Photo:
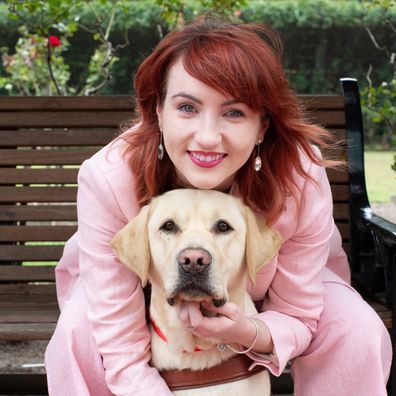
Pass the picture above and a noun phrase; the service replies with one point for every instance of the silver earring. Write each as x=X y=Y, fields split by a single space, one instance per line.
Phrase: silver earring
x=257 y=160
x=160 y=148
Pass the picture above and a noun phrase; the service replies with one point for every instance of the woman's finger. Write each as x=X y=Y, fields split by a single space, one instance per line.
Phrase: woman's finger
x=229 y=309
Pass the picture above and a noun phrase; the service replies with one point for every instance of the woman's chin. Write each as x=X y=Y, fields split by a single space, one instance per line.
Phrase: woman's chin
x=210 y=185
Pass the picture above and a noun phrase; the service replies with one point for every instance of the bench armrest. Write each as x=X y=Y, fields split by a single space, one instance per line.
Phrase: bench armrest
x=372 y=239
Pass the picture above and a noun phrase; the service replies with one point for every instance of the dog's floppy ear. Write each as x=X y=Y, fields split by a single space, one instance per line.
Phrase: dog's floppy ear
x=262 y=243
x=131 y=245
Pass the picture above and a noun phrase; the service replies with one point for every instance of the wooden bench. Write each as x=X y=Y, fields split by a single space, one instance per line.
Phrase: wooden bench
x=43 y=140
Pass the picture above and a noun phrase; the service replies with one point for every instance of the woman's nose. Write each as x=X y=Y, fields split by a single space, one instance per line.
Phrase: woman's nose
x=208 y=133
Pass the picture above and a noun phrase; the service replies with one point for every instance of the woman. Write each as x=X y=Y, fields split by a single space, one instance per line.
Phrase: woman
x=216 y=112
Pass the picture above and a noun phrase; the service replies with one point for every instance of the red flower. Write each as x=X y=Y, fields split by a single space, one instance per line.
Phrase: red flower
x=54 y=41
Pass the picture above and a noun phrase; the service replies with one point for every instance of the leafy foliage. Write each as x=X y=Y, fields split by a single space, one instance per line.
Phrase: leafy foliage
x=379 y=97
x=28 y=67
x=41 y=19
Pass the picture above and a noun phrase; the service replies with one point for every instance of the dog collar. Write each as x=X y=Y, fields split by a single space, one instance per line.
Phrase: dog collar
x=161 y=335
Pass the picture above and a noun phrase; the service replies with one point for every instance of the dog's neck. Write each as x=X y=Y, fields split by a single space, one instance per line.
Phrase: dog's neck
x=167 y=326
x=180 y=350
x=163 y=337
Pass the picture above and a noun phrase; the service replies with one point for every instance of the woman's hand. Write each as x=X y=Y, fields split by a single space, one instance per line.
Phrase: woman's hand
x=229 y=325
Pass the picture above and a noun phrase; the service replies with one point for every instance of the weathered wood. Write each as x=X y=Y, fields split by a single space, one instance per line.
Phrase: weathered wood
x=337 y=176
x=340 y=192
x=344 y=230
x=29 y=315
x=35 y=301
x=31 y=290
x=42 y=212
x=30 y=253
x=45 y=157
x=38 y=194
x=63 y=137
x=67 y=103
x=18 y=273
x=329 y=119
x=28 y=175
x=29 y=330
x=36 y=233
x=322 y=102
x=60 y=119
x=341 y=212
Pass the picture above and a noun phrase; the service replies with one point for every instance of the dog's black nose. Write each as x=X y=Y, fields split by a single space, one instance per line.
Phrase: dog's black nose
x=194 y=261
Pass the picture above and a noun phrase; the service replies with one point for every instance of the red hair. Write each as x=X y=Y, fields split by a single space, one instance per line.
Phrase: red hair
x=242 y=61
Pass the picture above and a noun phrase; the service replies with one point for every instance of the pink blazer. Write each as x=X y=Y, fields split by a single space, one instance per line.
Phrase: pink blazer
x=291 y=282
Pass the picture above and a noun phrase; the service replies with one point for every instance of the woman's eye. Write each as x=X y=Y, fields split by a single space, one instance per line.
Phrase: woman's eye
x=169 y=226
x=223 y=226
x=187 y=108
x=235 y=113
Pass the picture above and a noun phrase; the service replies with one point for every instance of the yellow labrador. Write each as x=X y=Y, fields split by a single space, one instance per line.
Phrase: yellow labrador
x=196 y=245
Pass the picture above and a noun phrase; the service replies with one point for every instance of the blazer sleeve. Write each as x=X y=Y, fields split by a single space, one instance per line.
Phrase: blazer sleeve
x=294 y=301
x=116 y=307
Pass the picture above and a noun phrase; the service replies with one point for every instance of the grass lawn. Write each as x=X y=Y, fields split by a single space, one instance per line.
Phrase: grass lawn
x=380 y=178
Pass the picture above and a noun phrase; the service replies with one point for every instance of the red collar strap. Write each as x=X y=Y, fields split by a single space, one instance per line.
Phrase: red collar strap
x=161 y=335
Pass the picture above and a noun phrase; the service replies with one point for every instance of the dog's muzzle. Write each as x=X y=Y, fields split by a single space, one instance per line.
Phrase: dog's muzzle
x=194 y=266
x=194 y=260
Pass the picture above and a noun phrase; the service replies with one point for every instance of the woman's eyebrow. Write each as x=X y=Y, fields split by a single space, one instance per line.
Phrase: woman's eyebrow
x=194 y=99
x=187 y=96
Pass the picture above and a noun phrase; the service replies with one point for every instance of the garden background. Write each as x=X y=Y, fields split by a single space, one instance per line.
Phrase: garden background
x=74 y=47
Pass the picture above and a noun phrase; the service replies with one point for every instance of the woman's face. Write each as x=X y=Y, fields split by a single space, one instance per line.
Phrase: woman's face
x=208 y=136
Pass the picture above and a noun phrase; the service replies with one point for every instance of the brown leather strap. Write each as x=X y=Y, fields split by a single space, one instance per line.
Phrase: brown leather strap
x=230 y=370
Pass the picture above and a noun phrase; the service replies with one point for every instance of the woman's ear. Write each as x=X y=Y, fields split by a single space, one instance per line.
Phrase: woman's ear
x=158 y=110
x=264 y=126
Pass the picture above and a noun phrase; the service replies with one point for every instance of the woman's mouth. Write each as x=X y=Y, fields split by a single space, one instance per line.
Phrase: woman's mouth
x=206 y=160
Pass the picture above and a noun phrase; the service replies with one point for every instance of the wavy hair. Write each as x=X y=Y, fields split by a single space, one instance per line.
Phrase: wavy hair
x=243 y=61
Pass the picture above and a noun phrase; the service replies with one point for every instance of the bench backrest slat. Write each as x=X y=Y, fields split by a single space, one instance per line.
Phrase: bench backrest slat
x=56 y=137
x=38 y=213
x=57 y=119
x=31 y=253
x=26 y=273
x=45 y=157
x=38 y=176
x=67 y=103
x=38 y=194
x=32 y=233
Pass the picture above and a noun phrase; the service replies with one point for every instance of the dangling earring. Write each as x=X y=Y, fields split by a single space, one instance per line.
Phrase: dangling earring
x=160 y=148
x=257 y=160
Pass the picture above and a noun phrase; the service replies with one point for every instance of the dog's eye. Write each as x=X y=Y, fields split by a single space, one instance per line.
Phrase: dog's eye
x=222 y=226
x=169 y=226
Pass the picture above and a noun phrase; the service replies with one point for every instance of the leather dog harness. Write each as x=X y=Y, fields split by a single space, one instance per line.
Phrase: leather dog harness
x=234 y=369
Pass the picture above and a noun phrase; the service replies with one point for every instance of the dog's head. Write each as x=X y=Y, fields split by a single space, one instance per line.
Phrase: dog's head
x=196 y=244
